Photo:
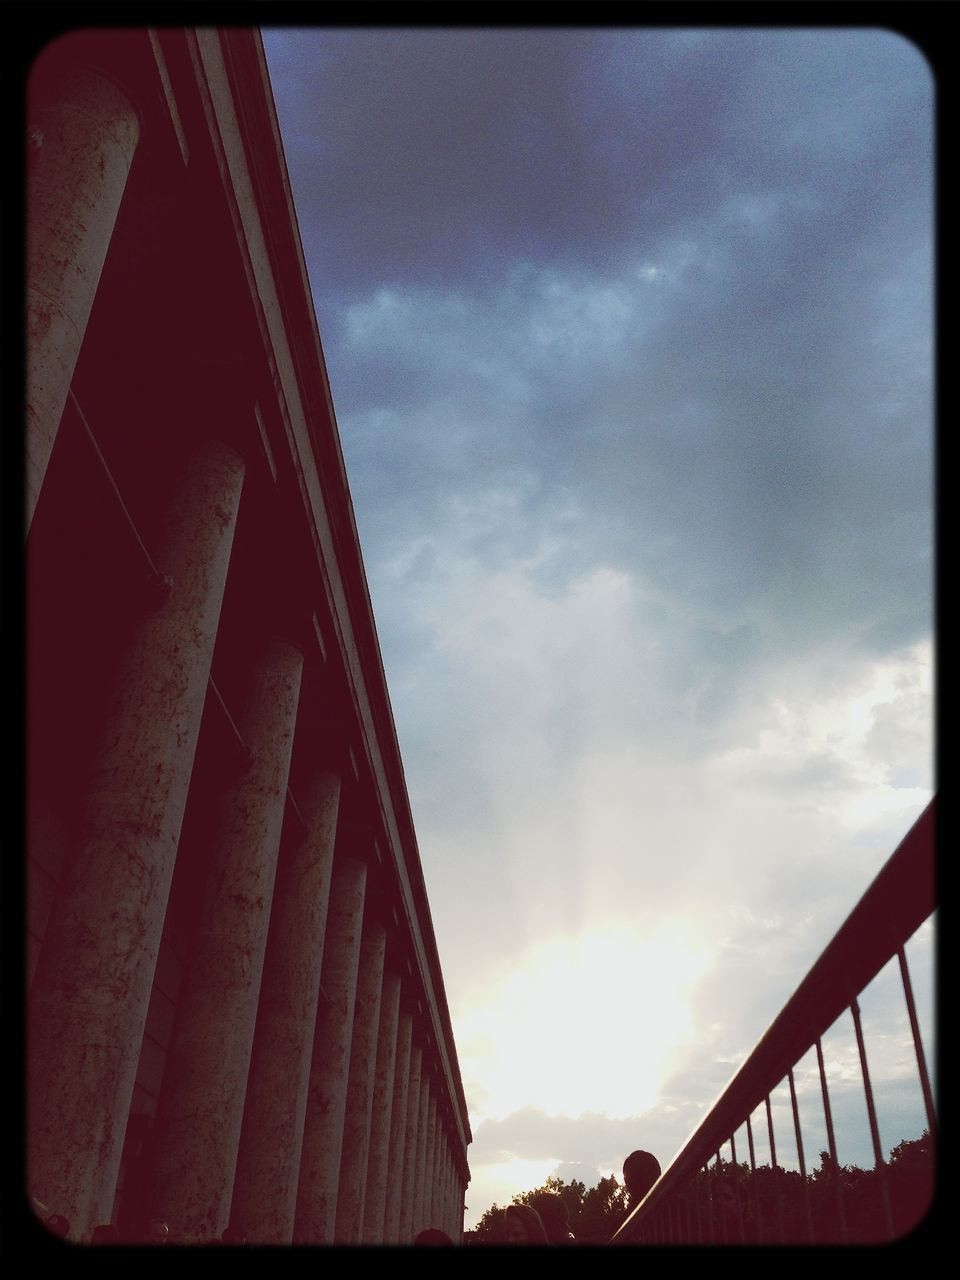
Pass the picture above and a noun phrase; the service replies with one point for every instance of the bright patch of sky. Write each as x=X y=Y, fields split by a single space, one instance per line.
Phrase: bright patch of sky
x=629 y=335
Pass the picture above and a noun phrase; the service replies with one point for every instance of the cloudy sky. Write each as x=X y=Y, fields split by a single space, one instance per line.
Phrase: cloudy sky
x=629 y=336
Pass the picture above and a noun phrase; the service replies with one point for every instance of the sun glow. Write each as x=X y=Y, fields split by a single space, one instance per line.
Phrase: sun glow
x=581 y=1024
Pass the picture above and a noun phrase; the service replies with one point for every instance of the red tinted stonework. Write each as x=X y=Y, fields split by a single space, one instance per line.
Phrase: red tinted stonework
x=236 y=1017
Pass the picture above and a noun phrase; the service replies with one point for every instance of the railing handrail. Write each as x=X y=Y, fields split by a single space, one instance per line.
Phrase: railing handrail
x=894 y=906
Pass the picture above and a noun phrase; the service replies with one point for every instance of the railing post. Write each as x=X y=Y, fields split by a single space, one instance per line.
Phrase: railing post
x=753 y=1182
x=774 y=1170
x=736 y=1185
x=831 y=1143
x=708 y=1191
x=803 y=1169
x=917 y=1042
x=880 y=1166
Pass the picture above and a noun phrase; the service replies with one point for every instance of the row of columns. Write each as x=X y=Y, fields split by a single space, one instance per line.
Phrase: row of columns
x=297 y=1102
x=277 y=1107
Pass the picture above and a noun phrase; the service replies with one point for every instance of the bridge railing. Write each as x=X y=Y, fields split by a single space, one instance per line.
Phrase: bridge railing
x=707 y=1196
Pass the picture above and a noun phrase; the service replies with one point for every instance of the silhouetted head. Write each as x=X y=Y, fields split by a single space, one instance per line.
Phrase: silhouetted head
x=523 y=1225
x=640 y=1172
x=432 y=1235
x=159 y=1232
x=58 y=1225
x=553 y=1215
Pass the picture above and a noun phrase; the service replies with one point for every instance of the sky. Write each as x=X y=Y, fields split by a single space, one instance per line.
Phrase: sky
x=629 y=336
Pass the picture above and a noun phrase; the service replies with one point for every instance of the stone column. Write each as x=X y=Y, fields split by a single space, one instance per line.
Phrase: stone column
x=410 y=1146
x=418 y=1223
x=201 y=1106
x=374 y=1204
x=268 y=1164
x=430 y=1206
x=452 y=1197
x=429 y=1161
x=398 y=1130
x=445 y=1179
x=82 y=133
x=330 y=1062
x=456 y=1199
x=363 y=1060
x=92 y=987
x=443 y=1189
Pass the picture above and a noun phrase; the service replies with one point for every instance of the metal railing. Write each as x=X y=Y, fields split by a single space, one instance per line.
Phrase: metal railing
x=707 y=1197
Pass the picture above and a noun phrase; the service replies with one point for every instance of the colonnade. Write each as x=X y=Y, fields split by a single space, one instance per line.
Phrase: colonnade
x=309 y=1090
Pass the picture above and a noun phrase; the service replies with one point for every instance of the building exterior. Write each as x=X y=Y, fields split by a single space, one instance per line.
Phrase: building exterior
x=236 y=1015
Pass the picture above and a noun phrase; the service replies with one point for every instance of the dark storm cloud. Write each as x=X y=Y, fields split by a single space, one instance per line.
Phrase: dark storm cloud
x=445 y=156
x=458 y=152
x=752 y=419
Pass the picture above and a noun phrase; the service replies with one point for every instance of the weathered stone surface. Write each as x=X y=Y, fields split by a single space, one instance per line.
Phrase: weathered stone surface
x=411 y=1144
x=330 y=1062
x=201 y=1108
x=363 y=1056
x=268 y=1164
x=398 y=1130
x=418 y=1221
x=89 y=998
x=429 y=1160
x=381 y=1109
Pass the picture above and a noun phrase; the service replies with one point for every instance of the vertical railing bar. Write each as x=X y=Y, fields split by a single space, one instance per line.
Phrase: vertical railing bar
x=831 y=1143
x=718 y=1172
x=917 y=1042
x=872 y=1117
x=800 y=1160
x=796 y=1121
x=753 y=1182
x=698 y=1192
x=736 y=1185
x=688 y=1216
x=709 y=1195
x=775 y=1171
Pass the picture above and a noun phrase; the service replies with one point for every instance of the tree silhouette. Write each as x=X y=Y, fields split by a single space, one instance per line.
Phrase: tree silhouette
x=731 y=1204
x=593 y=1214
